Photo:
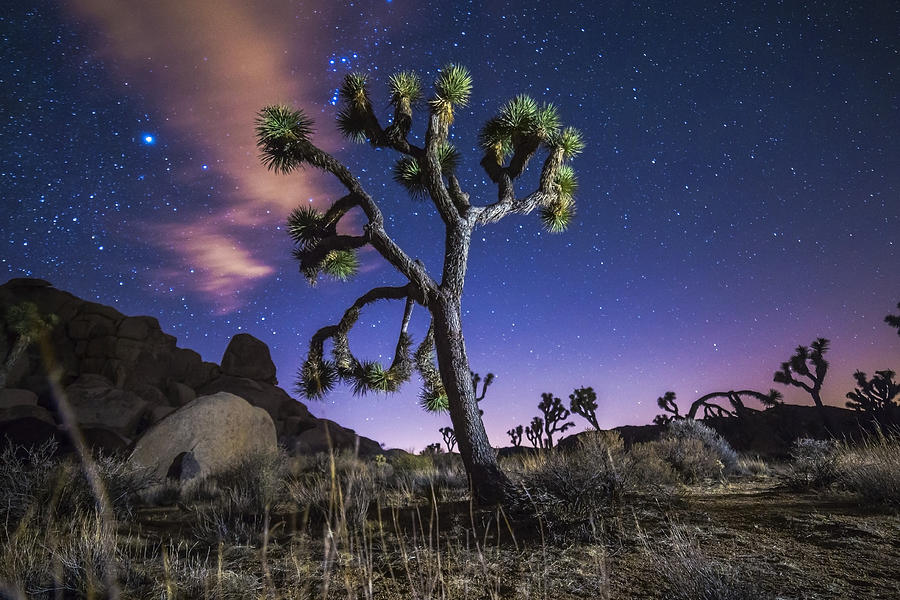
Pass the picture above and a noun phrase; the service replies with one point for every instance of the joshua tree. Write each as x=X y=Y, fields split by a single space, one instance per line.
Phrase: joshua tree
x=515 y=435
x=583 y=401
x=476 y=379
x=509 y=141
x=432 y=449
x=535 y=432
x=25 y=320
x=809 y=363
x=875 y=396
x=449 y=437
x=894 y=320
x=668 y=403
x=554 y=415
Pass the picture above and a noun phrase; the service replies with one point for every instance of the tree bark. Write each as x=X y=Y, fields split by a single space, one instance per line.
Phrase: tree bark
x=489 y=484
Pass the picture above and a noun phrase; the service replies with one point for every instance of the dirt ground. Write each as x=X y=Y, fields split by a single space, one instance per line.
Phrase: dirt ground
x=797 y=545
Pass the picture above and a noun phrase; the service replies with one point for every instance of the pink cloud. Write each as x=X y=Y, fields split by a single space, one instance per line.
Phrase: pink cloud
x=207 y=67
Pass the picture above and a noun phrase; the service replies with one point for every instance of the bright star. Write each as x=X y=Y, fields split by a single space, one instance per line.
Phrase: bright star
x=148 y=139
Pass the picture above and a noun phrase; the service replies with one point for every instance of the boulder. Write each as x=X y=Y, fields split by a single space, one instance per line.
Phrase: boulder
x=328 y=435
x=218 y=430
x=27 y=425
x=272 y=399
x=178 y=393
x=14 y=397
x=248 y=357
x=97 y=403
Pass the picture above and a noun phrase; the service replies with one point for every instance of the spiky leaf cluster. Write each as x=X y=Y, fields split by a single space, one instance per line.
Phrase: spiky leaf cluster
x=282 y=135
x=409 y=173
x=406 y=89
x=353 y=117
x=306 y=226
x=433 y=397
x=452 y=88
x=570 y=141
x=316 y=378
x=558 y=214
x=519 y=120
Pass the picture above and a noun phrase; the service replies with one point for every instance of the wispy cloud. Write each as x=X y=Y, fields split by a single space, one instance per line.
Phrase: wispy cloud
x=207 y=67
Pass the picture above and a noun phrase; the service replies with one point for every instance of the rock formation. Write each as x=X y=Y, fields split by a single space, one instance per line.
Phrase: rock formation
x=123 y=374
x=208 y=435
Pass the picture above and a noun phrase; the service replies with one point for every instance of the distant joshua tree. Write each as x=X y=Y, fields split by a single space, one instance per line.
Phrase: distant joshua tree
x=806 y=369
x=738 y=409
x=554 y=415
x=432 y=449
x=25 y=320
x=535 y=432
x=449 y=437
x=427 y=168
x=876 y=396
x=583 y=401
x=894 y=320
x=486 y=383
x=515 y=435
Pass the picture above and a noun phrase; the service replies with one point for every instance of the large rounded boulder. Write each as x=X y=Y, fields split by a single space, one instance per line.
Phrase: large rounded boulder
x=206 y=436
x=248 y=357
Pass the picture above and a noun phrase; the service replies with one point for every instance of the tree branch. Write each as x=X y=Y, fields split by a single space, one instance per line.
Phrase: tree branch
x=507 y=203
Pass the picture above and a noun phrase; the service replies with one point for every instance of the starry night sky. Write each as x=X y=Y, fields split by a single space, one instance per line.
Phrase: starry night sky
x=739 y=194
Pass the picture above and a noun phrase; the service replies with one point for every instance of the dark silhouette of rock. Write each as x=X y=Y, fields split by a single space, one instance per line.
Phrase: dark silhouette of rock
x=329 y=435
x=96 y=403
x=218 y=430
x=248 y=357
x=124 y=374
x=27 y=425
x=17 y=397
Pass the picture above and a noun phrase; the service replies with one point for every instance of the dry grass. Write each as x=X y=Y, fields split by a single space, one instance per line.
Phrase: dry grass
x=872 y=469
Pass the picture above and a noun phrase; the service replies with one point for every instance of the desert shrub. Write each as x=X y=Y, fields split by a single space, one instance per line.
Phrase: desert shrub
x=872 y=469
x=235 y=503
x=813 y=464
x=338 y=489
x=33 y=481
x=753 y=465
x=690 y=459
x=645 y=469
x=574 y=488
x=412 y=462
x=689 y=574
x=690 y=429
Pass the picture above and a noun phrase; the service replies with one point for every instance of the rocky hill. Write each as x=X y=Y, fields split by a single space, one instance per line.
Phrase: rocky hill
x=122 y=374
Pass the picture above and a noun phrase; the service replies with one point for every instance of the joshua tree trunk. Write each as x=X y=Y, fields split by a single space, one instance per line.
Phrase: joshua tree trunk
x=488 y=481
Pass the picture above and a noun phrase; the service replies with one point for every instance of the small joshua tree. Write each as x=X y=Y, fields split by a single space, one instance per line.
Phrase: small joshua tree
x=875 y=396
x=25 y=320
x=806 y=369
x=509 y=141
x=486 y=383
x=515 y=435
x=535 y=432
x=667 y=403
x=449 y=437
x=583 y=401
x=432 y=449
x=894 y=320
x=554 y=416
